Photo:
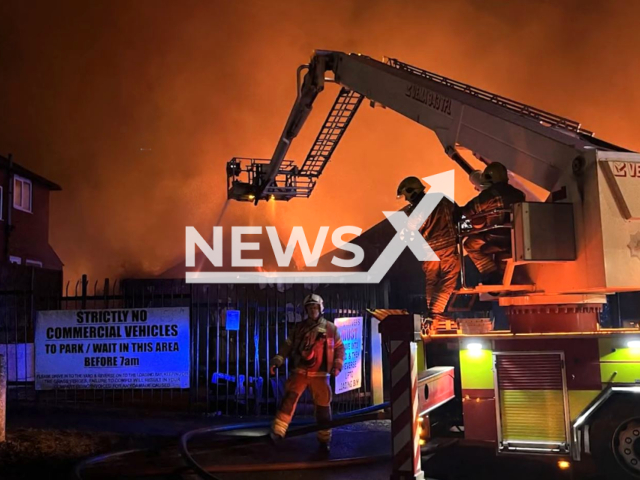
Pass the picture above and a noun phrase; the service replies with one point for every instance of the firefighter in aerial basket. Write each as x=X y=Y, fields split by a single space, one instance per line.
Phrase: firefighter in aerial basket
x=496 y=193
x=439 y=230
x=317 y=352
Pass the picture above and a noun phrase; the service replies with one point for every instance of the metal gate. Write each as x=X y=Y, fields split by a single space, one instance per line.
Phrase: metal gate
x=23 y=291
x=229 y=367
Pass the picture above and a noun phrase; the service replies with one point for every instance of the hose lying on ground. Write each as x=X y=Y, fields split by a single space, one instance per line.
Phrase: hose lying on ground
x=362 y=415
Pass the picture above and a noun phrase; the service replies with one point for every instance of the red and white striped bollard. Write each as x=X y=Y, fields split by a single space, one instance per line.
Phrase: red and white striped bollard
x=405 y=423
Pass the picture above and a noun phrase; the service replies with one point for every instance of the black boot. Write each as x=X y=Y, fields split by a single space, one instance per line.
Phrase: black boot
x=275 y=438
x=324 y=448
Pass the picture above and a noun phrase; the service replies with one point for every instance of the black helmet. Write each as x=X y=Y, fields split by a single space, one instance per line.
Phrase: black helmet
x=411 y=188
x=494 y=173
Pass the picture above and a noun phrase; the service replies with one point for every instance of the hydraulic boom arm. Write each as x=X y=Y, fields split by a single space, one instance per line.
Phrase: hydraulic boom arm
x=536 y=145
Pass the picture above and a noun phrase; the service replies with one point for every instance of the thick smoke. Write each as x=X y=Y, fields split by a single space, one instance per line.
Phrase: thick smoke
x=134 y=107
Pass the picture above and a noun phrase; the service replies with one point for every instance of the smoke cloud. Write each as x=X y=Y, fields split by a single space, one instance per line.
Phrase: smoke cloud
x=135 y=107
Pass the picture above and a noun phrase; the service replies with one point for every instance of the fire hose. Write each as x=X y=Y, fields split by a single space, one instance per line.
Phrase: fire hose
x=363 y=415
x=204 y=471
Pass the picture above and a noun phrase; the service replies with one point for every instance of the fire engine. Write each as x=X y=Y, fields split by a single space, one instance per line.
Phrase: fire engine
x=556 y=384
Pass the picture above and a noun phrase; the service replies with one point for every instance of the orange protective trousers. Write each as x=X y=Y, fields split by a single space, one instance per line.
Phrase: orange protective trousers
x=293 y=390
x=441 y=278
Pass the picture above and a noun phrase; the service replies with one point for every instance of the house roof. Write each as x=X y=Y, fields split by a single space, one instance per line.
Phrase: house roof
x=25 y=172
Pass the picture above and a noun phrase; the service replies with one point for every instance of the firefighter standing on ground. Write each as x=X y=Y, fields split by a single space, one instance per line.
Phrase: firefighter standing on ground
x=497 y=194
x=440 y=233
x=317 y=352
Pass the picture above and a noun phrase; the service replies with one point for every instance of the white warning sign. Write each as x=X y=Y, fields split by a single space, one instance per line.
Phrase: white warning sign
x=118 y=348
x=350 y=377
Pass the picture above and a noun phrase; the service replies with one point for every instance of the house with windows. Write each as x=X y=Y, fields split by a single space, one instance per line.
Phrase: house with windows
x=24 y=217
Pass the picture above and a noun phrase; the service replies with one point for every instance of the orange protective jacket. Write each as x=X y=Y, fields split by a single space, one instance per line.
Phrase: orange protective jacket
x=299 y=335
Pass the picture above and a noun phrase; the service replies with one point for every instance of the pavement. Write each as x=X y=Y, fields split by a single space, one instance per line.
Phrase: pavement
x=369 y=441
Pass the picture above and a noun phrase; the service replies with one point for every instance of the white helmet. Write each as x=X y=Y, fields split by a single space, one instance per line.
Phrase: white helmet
x=314 y=299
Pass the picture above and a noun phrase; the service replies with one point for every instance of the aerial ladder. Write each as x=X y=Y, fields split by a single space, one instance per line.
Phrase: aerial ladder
x=556 y=383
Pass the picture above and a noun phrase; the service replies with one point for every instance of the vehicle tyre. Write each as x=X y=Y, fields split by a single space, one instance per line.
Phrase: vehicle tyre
x=615 y=438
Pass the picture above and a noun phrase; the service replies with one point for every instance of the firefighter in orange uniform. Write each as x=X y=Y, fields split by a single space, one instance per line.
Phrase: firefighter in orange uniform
x=317 y=352
x=496 y=194
x=440 y=233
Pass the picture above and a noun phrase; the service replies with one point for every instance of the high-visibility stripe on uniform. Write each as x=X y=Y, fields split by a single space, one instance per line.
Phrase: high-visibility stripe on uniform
x=324 y=436
x=279 y=427
x=317 y=374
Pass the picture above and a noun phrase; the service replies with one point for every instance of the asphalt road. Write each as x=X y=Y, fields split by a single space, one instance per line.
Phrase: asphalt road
x=372 y=440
